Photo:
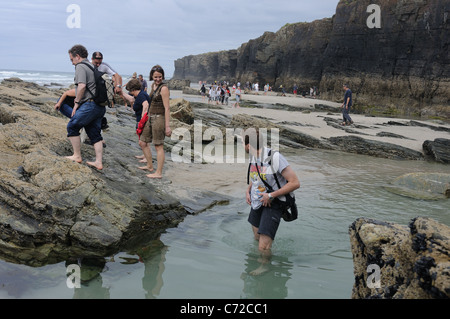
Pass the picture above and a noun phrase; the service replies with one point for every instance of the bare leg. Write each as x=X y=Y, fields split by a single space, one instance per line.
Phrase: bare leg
x=264 y=246
x=76 y=145
x=160 y=157
x=147 y=155
x=98 y=164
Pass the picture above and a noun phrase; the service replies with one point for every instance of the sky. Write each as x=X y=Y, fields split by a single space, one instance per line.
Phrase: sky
x=135 y=35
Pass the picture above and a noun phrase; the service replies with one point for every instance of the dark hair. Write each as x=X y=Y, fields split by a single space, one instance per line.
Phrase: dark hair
x=133 y=85
x=252 y=137
x=95 y=54
x=79 y=50
x=156 y=68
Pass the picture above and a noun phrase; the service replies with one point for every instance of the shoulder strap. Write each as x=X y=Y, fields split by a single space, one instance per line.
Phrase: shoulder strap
x=88 y=65
x=270 y=163
x=93 y=70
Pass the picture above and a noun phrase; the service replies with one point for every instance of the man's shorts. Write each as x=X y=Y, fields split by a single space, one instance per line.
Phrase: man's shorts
x=154 y=130
x=266 y=219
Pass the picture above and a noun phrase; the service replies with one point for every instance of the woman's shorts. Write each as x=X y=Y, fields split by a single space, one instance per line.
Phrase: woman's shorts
x=154 y=130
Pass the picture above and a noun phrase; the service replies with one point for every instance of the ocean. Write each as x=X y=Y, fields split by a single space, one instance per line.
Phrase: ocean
x=47 y=78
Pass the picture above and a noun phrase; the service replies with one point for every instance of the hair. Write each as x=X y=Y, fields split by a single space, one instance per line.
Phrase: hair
x=94 y=55
x=252 y=137
x=79 y=50
x=156 y=68
x=133 y=85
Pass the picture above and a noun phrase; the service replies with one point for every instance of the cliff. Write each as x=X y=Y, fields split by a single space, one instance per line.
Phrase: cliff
x=404 y=64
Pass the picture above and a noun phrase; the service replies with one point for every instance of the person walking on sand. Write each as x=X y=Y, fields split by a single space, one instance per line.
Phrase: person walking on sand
x=86 y=113
x=348 y=102
x=265 y=212
x=158 y=125
x=238 y=97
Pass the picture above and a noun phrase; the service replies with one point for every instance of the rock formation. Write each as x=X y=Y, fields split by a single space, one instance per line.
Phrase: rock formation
x=52 y=208
x=403 y=65
x=392 y=261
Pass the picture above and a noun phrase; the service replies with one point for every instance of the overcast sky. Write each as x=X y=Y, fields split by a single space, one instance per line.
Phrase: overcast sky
x=134 y=35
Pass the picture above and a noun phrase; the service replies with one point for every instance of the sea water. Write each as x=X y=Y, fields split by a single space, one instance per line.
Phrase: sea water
x=214 y=255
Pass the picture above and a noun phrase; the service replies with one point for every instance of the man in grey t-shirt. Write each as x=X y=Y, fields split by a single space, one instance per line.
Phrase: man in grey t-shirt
x=265 y=213
x=86 y=113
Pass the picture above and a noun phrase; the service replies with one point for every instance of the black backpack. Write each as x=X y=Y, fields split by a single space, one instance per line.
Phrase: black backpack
x=103 y=96
x=289 y=210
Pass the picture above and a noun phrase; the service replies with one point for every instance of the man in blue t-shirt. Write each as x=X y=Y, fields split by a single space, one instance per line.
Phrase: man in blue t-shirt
x=348 y=102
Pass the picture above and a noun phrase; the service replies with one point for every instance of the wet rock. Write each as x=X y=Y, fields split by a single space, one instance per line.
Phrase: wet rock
x=438 y=150
x=413 y=261
x=52 y=209
x=358 y=145
x=427 y=186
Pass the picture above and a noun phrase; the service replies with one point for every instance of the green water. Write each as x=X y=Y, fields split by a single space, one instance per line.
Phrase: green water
x=212 y=255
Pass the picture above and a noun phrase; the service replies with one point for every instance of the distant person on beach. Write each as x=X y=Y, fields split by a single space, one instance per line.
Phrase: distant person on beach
x=238 y=97
x=158 y=125
x=265 y=211
x=143 y=82
x=203 y=92
x=295 y=89
x=348 y=102
x=86 y=113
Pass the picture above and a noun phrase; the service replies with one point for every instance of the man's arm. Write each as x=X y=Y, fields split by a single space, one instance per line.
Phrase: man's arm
x=80 y=93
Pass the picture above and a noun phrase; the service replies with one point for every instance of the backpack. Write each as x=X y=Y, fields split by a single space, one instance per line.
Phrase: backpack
x=104 y=92
x=289 y=211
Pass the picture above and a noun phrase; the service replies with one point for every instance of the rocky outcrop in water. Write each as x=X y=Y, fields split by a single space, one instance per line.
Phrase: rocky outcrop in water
x=403 y=65
x=424 y=186
x=52 y=208
x=392 y=261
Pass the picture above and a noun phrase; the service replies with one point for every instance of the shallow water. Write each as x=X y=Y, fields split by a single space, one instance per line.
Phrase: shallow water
x=212 y=255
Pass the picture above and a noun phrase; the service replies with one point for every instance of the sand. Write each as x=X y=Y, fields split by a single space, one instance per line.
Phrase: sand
x=230 y=179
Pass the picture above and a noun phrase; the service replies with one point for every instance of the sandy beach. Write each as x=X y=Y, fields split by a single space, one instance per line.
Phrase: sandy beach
x=211 y=176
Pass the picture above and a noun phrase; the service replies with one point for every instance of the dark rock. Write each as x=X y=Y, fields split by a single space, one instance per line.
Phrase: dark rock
x=438 y=150
x=356 y=144
x=52 y=209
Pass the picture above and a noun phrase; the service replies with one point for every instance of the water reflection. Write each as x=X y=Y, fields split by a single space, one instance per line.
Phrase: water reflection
x=153 y=257
x=266 y=280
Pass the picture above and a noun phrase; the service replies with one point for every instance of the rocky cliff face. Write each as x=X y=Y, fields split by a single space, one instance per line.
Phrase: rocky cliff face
x=403 y=64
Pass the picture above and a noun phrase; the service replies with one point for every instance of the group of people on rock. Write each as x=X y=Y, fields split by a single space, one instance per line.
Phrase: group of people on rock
x=79 y=106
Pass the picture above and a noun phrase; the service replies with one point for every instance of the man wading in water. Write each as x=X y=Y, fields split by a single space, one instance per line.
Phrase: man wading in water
x=265 y=212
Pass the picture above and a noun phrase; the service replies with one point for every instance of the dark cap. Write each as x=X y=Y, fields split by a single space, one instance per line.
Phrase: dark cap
x=97 y=55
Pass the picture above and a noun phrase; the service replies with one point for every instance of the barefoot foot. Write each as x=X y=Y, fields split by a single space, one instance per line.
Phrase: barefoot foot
x=96 y=165
x=75 y=159
x=146 y=168
x=154 y=175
